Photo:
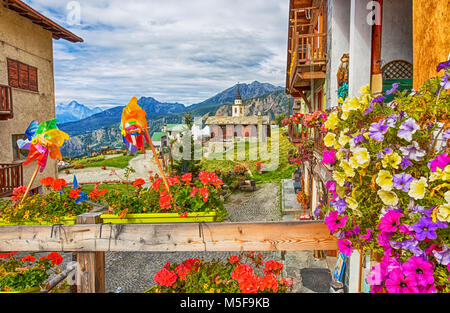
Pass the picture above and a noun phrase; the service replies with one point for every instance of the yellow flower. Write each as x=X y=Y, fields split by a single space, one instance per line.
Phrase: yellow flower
x=365 y=90
x=332 y=121
x=205 y=286
x=388 y=197
x=341 y=191
x=339 y=178
x=352 y=203
x=329 y=140
x=362 y=156
x=443 y=214
x=340 y=100
x=339 y=155
x=354 y=162
x=440 y=174
x=343 y=139
x=447 y=196
x=349 y=172
x=417 y=189
x=26 y=215
x=391 y=159
x=384 y=180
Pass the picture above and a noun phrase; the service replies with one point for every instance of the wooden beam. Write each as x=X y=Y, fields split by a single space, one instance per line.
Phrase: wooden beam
x=267 y=236
x=92 y=264
x=313 y=75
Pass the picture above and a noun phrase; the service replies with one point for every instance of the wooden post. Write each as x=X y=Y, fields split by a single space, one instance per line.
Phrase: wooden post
x=92 y=264
x=155 y=155
x=31 y=183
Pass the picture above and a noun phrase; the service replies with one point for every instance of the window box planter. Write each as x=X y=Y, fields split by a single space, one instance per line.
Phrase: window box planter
x=195 y=217
x=64 y=221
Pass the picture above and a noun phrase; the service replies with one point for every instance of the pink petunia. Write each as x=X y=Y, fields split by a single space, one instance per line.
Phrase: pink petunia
x=419 y=268
x=329 y=157
x=399 y=283
x=334 y=222
x=441 y=161
x=345 y=247
x=390 y=222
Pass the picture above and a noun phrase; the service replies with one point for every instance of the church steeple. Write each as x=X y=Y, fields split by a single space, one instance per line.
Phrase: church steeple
x=238 y=107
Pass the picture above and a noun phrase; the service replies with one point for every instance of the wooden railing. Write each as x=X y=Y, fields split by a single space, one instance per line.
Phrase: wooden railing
x=319 y=145
x=6 y=102
x=11 y=176
x=309 y=50
x=294 y=133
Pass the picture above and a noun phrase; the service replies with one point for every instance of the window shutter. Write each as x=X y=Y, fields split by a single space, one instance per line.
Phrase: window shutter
x=13 y=73
x=23 y=76
x=33 y=78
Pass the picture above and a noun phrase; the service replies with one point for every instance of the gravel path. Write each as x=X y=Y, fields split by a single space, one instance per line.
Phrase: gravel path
x=142 y=164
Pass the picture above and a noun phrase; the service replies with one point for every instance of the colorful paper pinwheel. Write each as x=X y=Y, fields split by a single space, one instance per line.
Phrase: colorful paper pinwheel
x=134 y=127
x=43 y=140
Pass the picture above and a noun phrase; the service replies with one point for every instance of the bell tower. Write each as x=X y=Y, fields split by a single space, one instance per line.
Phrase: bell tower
x=238 y=107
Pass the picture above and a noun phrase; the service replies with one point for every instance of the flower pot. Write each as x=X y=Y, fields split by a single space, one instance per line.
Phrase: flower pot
x=195 y=217
x=64 y=221
x=30 y=290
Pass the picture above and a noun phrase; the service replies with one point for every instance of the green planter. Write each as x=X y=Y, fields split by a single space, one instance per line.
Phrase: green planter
x=31 y=290
x=64 y=221
x=144 y=218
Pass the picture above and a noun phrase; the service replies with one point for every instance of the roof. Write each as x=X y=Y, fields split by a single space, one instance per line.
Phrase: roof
x=28 y=12
x=158 y=135
x=176 y=127
x=238 y=94
x=237 y=120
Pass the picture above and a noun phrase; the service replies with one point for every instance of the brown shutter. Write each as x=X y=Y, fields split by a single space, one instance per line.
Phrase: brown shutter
x=23 y=76
x=33 y=78
x=13 y=73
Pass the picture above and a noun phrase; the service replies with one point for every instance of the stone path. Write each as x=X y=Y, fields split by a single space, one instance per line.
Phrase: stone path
x=142 y=164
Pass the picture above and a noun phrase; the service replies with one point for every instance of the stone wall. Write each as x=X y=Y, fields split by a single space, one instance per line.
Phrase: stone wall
x=24 y=41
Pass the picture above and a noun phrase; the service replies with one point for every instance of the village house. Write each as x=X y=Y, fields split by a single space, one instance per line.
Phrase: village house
x=346 y=44
x=26 y=85
x=238 y=126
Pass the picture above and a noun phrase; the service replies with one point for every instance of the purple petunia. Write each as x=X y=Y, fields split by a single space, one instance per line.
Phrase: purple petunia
x=392 y=120
x=340 y=206
x=405 y=163
x=445 y=83
x=425 y=228
x=377 y=130
x=413 y=152
x=402 y=181
x=446 y=135
x=444 y=65
x=443 y=257
x=393 y=90
x=407 y=129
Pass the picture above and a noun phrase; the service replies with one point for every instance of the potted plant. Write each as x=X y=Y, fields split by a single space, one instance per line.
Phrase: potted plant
x=390 y=196
x=188 y=200
x=59 y=206
x=233 y=276
x=26 y=274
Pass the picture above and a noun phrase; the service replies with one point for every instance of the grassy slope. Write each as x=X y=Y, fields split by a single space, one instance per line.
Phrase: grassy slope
x=283 y=171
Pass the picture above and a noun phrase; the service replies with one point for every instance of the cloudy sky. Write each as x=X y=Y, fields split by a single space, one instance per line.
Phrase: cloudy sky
x=172 y=50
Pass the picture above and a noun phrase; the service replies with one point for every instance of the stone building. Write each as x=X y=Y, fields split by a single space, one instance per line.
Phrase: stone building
x=26 y=85
x=238 y=126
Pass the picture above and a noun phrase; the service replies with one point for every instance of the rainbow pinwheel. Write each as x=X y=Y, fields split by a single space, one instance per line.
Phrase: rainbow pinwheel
x=134 y=127
x=43 y=140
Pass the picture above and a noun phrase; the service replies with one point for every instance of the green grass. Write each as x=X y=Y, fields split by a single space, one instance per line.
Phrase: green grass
x=111 y=187
x=117 y=162
x=283 y=171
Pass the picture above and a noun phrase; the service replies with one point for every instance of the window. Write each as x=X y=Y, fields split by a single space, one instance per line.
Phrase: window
x=18 y=154
x=22 y=76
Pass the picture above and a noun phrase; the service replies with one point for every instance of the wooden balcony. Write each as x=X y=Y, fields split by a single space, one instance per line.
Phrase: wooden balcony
x=308 y=61
x=6 y=102
x=11 y=176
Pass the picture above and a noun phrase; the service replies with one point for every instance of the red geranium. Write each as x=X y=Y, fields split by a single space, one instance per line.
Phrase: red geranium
x=164 y=201
x=187 y=178
x=18 y=193
x=55 y=257
x=28 y=258
x=7 y=255
x=189 y=263
x=95 y=193
x=269 y=283
x=47 y=181
x=182 y=271
x=139 y=183
x=273 y=267
x=173 y=181
x=249 y=283
x=165 y=278
x=157 y=184
x=74 y=193
x=59 y=184
x=234 y=259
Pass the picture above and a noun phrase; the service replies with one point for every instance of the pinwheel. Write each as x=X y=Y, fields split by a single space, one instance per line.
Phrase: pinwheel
x=134 y=127
x=134 y=131
x=42 y=140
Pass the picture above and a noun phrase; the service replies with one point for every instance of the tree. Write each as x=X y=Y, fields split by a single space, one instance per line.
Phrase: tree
x=279 y=118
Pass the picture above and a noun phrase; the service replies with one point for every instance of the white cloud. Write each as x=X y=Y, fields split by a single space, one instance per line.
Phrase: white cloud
x=172 y=50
